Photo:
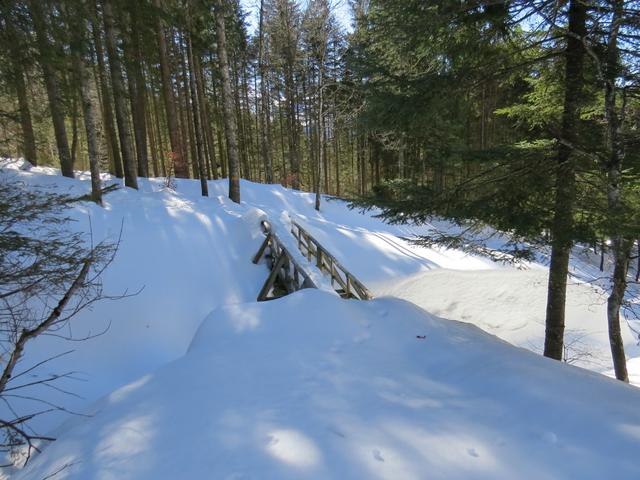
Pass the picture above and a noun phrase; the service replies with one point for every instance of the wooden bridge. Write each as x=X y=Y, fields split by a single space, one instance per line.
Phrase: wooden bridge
x=287 y=275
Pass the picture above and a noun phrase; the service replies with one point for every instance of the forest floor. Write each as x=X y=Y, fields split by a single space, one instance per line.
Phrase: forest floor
x=312 y=386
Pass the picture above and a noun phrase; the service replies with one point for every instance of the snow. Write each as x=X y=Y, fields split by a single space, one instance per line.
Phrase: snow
x=510 y=304
x=310 y=385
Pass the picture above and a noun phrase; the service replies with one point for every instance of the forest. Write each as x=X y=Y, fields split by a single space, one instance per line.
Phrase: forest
x=516 y=118
x=522 y=115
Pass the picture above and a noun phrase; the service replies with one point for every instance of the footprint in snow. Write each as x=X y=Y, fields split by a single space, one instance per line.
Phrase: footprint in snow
x=377 y=455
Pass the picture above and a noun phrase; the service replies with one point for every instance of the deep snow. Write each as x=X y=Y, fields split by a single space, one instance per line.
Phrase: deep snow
x=312 y=386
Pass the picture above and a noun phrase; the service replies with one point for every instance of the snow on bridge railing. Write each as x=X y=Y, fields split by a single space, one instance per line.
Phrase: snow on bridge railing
x=348 y=286
x=287 y=275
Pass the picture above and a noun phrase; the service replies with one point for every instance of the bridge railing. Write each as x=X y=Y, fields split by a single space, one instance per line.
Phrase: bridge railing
x=347 y=284
x=285 y=272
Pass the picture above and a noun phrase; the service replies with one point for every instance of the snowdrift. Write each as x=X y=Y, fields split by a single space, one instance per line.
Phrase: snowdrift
x=311 y=386
x=181 y=255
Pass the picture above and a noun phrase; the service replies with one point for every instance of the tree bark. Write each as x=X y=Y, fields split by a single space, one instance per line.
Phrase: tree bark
x=230 y=126
x=294 y=158
x=562 y=225
x=245 y=171
x=28 y=137
x=120 y=95
x=89 y=115
x=74 y=129
x=53 y=90
x=621 y=243
x=109 y=127
x=180 y=168
x=136 y=83
x=622 y=252
x=185 y=111
x=205 y=116
x=161 y=149
x=195 y=110
x=321 y=137
x=218 y=126
x=265 y=141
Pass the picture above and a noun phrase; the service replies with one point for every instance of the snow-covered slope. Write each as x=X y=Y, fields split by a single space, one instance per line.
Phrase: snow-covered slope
x=511 y=303
x=312 y=386
x=185 y=255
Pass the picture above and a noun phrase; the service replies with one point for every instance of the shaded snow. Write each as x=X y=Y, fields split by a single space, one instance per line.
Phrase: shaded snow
x=312 y=386
x=511 y=304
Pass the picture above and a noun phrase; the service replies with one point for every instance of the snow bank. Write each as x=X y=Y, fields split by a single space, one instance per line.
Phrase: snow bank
x=511 y=304
x=184 y=254
x=312 y=386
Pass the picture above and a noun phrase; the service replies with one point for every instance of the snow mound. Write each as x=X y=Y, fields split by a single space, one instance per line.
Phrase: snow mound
x=181 y=256
x=511 y=303
x=312 y=386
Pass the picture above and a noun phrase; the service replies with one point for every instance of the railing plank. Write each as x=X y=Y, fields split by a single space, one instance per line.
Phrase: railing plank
x=351 y=285
x=289 y=273
x=282 y=264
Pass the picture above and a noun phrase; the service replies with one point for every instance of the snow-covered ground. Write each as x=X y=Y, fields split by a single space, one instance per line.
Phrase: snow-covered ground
x=312 y=386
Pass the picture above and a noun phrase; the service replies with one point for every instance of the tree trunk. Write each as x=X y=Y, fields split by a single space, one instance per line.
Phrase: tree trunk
x=622 y=252
x=159 y=137
x=180 y=168
x=28 y=138
x=638 y=260
x=187 y=123
x=109 y=128
x=562 y=225
x=230 y=127
x=321 y=137
x=265 y=128
x=89 y=115
x=74 y=129
x=136 y=83
x=336 y=153
x=53 y=90
x=195 y=110
x=248 y=125
x=205 y=116
x=284 y=179
x=621 y=244
x=265 y=141
x=17 y=51
x=294 y=158
x=152 y=140
x=218 y=125
x=242 y=140
x=120 y=96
